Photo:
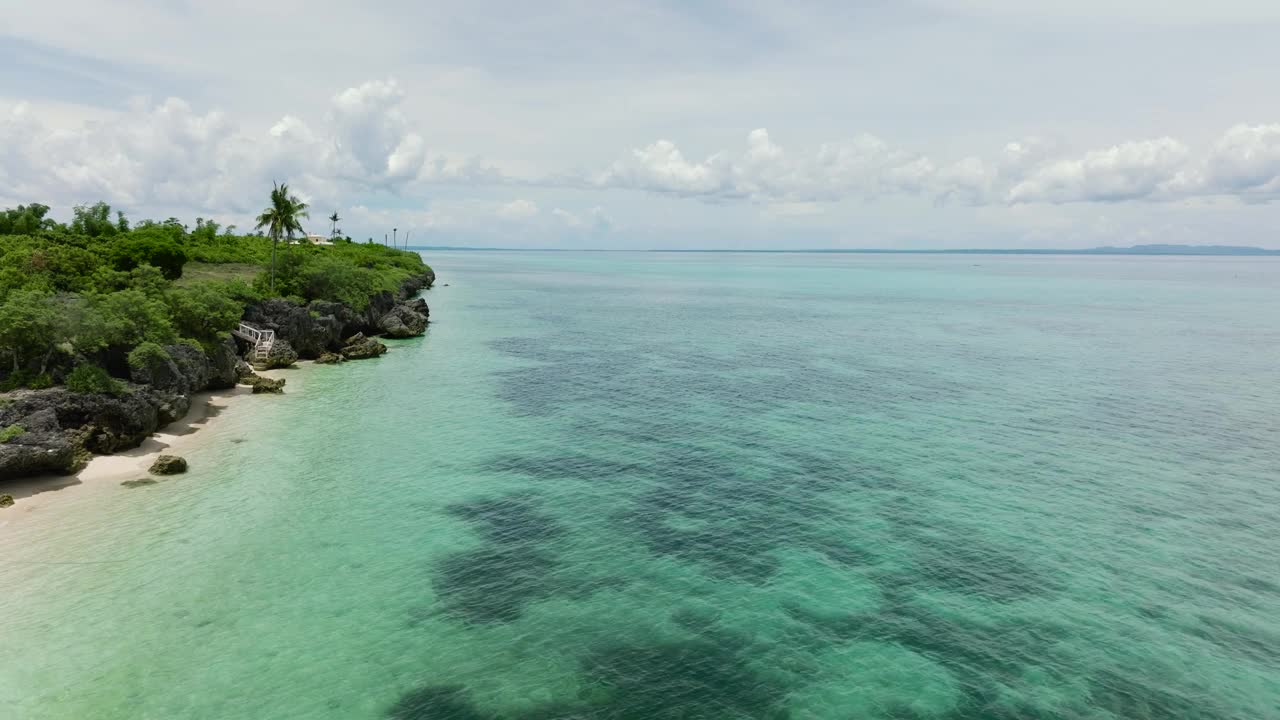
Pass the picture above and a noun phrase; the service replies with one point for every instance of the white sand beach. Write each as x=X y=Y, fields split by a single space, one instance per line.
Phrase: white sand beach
x=38 y=497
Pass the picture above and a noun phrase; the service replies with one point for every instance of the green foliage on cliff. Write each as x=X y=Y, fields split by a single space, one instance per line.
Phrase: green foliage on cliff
x=346 y=272
x=146 y=355
x=80 y=293
x=88 y=378
x=11 y=432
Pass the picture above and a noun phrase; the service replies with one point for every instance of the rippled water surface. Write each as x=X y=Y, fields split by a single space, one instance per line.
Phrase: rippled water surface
x=709 y=486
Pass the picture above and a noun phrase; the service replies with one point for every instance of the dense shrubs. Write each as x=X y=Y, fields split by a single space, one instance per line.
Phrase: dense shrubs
x=76 y=294
x=93 y=379
x=147 y=355
x=154 y=245
x=345 y=272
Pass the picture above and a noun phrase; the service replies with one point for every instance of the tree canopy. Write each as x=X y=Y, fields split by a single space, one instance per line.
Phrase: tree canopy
x=281 y=219
x=95 y=288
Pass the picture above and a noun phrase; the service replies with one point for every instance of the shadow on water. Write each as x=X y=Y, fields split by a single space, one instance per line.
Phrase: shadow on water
x=732 y=510
x=515 y=566
x=708 y=677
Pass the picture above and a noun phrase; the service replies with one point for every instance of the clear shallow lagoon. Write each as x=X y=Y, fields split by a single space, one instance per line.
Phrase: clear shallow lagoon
x=623 y=485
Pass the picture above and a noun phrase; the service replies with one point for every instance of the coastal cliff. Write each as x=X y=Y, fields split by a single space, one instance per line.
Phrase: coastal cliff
x=55 y=430
x=320 y=327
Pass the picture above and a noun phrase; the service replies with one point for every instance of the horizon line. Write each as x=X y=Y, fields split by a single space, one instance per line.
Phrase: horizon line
x=1156 y=250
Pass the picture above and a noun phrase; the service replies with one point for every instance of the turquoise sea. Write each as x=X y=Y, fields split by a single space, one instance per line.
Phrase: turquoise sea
x=644 y=485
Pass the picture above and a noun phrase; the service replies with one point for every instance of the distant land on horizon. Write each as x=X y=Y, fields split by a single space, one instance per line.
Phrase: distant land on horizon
x=1105 y=250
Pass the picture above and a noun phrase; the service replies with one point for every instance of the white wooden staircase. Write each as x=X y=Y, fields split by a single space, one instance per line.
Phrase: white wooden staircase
x=262 y=340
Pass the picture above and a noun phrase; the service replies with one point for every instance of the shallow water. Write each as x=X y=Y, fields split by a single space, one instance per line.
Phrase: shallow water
x=628 y=485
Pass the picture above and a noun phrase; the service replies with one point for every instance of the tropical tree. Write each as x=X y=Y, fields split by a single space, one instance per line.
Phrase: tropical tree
x=334 y=219
x=93 y=220
x=282 y=218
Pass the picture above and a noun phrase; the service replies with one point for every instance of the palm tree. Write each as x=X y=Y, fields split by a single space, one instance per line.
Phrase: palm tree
x=281 y=219
x=334 y=219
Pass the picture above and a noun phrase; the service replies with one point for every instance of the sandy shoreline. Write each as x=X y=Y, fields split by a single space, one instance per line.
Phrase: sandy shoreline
x=41 y=496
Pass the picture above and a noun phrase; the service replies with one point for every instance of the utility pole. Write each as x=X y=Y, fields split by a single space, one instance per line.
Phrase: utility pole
x=394 y=243
x=384 y=240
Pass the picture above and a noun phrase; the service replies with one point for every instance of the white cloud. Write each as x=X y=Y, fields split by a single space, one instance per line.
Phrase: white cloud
x=661 y=167
x=518 y=209
x=1129 y=171
x=163 y=154
x=1146 y=12
x=364 y=148
x=372 y=141
x=765 y=171
x=595 y=220
x=1244 y=163
x=171 y=157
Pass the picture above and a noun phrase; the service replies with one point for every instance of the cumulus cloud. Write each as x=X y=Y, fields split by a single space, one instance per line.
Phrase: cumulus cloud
x=1131 y=171
x=164 y=153
x=595 y=220
x=169 y=155
x=1244 y=163
x=518 y=209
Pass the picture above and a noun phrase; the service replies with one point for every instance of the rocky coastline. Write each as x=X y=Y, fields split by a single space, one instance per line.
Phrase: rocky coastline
x=55 y=430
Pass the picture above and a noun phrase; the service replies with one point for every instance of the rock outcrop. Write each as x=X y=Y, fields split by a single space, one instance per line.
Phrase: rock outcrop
x=224 y=365
x=405 y=319
x=64 y=427
x=328 y=358
x=282 y=355
x=264 y=385
x=43 y=448
x=320 y=327
x=60 y=428
x=308 y=330
x=181 y=369
x=359 y=347
x=169 y=465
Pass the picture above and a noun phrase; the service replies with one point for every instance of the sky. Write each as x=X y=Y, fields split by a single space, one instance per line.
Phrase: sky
x=659 y=124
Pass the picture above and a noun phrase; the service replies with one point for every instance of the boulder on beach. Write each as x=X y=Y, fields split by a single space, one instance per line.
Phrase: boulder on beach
x=328 y=358
x=264 y=384
x=57 y=426
x=169 y=465
x=6 y=501
x=281 y=355
x=359 y=347
x=405 y=319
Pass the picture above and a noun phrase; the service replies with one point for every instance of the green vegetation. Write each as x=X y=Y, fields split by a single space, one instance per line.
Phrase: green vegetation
x=11 y=432
x=282 y=218
x=198 y=272
x=88 y=293
x=93 y=379
x=148 y=354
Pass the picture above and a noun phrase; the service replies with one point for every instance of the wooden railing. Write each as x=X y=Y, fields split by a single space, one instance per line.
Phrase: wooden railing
x=262 y=340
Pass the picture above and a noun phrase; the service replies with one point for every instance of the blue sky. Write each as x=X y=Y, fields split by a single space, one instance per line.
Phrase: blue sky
x=936 y=123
